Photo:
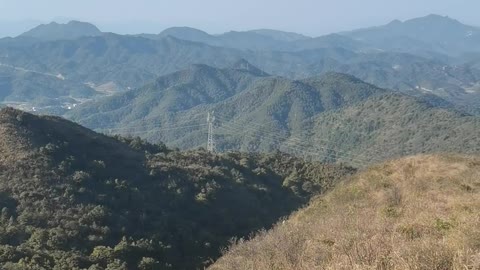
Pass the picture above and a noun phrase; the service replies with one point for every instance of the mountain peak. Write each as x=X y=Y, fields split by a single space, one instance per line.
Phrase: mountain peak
x=75 y=22
x=434 y=33
x=428 y=19
x=243 y=64
x=59 y=31
x=185 y=33
x=394 y=22
x=437 y=17
x=433 y=18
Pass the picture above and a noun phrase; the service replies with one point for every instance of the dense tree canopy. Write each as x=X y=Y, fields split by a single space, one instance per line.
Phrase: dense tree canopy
x=73 y=199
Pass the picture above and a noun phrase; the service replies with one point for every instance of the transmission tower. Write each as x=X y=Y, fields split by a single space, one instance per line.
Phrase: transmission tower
x=210 y=140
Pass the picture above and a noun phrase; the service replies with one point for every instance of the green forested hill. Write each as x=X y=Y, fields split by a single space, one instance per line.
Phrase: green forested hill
x=333 y=117
x=132 y=61
x=166 y=96
x=393 y=125
x=74 y=199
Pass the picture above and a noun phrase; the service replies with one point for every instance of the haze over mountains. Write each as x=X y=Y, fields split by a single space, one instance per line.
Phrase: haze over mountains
x=113 y=63
x=429 y=34
x=56 y=31
x=432 y=33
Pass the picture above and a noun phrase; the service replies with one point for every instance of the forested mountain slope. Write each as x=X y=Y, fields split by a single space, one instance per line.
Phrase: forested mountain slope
x=71 y=198
x=333 y=117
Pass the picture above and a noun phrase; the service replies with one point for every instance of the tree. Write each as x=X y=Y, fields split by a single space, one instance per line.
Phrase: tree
x=102 y=254
x=117 y=265
x=148 y=263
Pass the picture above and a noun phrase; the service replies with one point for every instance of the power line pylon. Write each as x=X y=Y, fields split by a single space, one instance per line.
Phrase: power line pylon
x=210 y=140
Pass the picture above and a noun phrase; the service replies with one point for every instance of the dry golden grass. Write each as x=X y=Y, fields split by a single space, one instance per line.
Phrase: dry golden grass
x=420 y=212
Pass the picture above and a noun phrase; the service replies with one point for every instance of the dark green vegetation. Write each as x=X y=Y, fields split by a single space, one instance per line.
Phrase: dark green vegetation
x=74 y=199
x=334 y=117
x=133 y=61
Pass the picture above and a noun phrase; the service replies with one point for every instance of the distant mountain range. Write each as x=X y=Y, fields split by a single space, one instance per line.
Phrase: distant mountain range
x=432 y=36
x=88 y=65
x=263 y=39
x=432 y=33
x=127 y=62
x=336 y=117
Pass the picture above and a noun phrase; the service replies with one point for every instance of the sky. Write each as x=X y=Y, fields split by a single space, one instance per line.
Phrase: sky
x=310 y=17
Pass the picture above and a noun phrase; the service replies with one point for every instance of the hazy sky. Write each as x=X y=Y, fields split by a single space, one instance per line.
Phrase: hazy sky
x=311 y=17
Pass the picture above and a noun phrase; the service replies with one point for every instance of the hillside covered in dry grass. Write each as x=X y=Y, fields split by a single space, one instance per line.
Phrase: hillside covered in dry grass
x=420 y=212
